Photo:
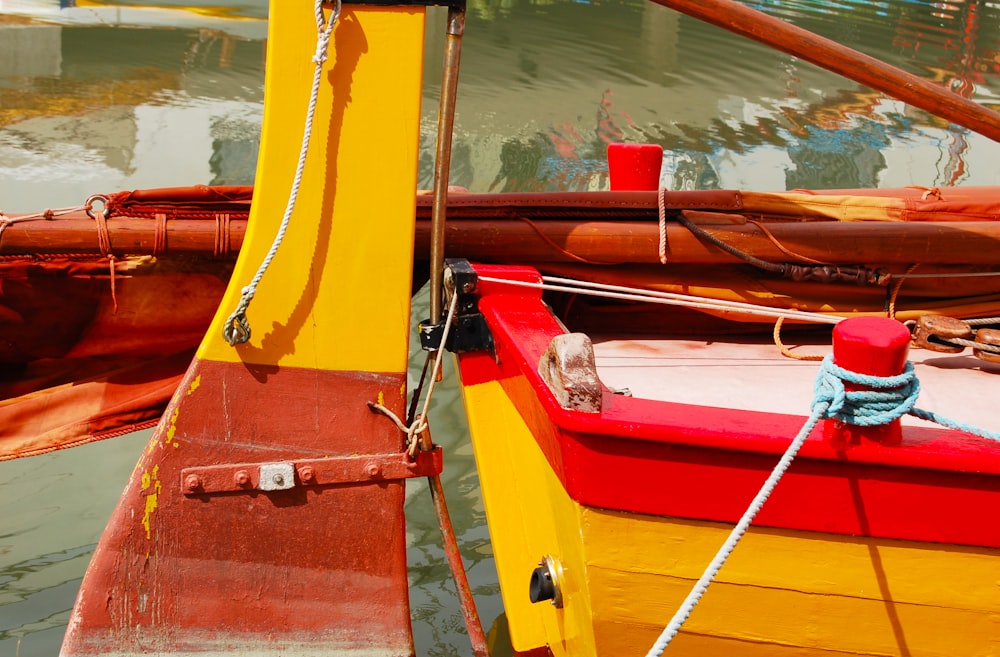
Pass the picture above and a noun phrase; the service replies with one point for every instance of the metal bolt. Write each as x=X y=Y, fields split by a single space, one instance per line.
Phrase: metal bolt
x=307 y=474
x=373 y=470
x=192 y=483
x=278 y=479
x=242 y=478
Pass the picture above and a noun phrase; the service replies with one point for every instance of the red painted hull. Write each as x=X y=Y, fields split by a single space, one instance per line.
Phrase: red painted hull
x=685 y=461
x=288 y=571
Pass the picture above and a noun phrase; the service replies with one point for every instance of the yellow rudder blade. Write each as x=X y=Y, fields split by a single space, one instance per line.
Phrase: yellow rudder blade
x=336 y=295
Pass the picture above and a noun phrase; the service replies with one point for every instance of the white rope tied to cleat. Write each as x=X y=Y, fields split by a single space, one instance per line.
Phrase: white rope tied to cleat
x=237 y=328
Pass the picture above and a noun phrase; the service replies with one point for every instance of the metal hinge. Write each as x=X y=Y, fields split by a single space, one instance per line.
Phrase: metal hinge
x=283 y=475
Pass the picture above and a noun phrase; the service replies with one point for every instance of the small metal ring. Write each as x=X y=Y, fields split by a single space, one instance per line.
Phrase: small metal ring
x=89 y=205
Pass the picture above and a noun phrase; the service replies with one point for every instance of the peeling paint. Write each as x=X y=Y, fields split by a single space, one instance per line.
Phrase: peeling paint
x=195 y=384
x=381 y=398
x=151 y=482
x=172 y=429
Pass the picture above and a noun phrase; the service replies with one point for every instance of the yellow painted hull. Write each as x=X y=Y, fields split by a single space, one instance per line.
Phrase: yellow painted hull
x=782 y=592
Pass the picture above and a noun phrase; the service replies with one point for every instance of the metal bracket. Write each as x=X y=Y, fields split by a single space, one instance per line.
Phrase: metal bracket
x=283 y=475
x=469 y=331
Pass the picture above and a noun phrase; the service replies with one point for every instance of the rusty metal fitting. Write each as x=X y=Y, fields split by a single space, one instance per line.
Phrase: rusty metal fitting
x=989 y=337
x=307 y=474
x=933 y=331
x=241 y=478
x=192 y=483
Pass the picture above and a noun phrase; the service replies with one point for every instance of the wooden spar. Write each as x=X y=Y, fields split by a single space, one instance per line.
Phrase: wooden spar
x=127 y=236
x=512 y=240
x=609 y=241
x=823 y=52
x=612 y=242
x=265 y=516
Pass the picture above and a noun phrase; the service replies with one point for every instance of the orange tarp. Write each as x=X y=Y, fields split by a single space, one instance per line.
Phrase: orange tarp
x=74 y=367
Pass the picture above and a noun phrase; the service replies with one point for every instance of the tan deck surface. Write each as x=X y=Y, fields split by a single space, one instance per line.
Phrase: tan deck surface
x=758 y=377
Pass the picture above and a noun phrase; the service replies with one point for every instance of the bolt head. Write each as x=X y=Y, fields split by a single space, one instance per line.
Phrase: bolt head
x=373 y=470
x=192 y=483
x=307 y=474
x=242 y=478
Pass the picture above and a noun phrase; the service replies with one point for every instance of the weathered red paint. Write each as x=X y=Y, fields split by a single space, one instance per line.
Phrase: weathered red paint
x=312 y=569
x=707 y=463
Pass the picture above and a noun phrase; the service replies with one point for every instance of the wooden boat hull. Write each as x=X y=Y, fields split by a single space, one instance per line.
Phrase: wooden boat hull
x=863 y=549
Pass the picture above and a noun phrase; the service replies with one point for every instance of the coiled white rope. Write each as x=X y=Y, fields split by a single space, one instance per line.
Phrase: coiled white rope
x=237 y=328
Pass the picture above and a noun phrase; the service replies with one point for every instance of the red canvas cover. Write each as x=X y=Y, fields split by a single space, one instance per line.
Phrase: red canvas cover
x=78 y=363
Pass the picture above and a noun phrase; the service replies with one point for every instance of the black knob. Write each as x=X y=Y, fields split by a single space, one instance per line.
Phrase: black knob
x=541 y=586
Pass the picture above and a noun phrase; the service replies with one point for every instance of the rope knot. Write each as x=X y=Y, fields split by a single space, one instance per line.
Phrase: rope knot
x=237 y=329
x=322 y=46
x=887 y=398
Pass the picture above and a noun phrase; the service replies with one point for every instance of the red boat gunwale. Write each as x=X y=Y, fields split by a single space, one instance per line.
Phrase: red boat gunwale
x=696 y=462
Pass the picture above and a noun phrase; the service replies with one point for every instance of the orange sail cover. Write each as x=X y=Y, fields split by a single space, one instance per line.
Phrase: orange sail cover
x=93 y=346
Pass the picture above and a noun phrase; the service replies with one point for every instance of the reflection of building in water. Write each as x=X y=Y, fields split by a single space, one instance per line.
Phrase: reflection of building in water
x=850 y=157
x=121 y=107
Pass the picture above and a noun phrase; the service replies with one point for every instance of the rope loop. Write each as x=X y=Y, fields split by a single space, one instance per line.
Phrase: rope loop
x=890 y=397
x=237 y=328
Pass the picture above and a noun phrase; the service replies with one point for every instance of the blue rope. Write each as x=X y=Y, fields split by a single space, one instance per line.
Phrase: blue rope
x=889 y=398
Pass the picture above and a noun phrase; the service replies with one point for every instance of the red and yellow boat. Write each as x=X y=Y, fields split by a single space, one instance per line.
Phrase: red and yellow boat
x=618 y=447
x=660 y=467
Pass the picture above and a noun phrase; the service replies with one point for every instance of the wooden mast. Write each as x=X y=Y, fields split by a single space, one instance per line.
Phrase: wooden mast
x=265 y=516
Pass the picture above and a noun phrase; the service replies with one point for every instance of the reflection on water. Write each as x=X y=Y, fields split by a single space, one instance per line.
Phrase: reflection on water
x=545 y=86
x=103 y=97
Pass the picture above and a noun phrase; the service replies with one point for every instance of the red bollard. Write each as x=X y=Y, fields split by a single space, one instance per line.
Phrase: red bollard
x=634 y=167
x=868 y=345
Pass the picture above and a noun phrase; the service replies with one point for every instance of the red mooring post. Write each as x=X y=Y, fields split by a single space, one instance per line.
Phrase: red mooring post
x=868 y=345
x=634 y=167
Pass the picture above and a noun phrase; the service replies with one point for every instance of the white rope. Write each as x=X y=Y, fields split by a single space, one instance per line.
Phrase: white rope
x=667 y=298
x=699 y=588
x=237 y=328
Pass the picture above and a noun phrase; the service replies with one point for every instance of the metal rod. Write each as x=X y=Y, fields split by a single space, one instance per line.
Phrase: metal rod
x=442 y=161
x=472 y=622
